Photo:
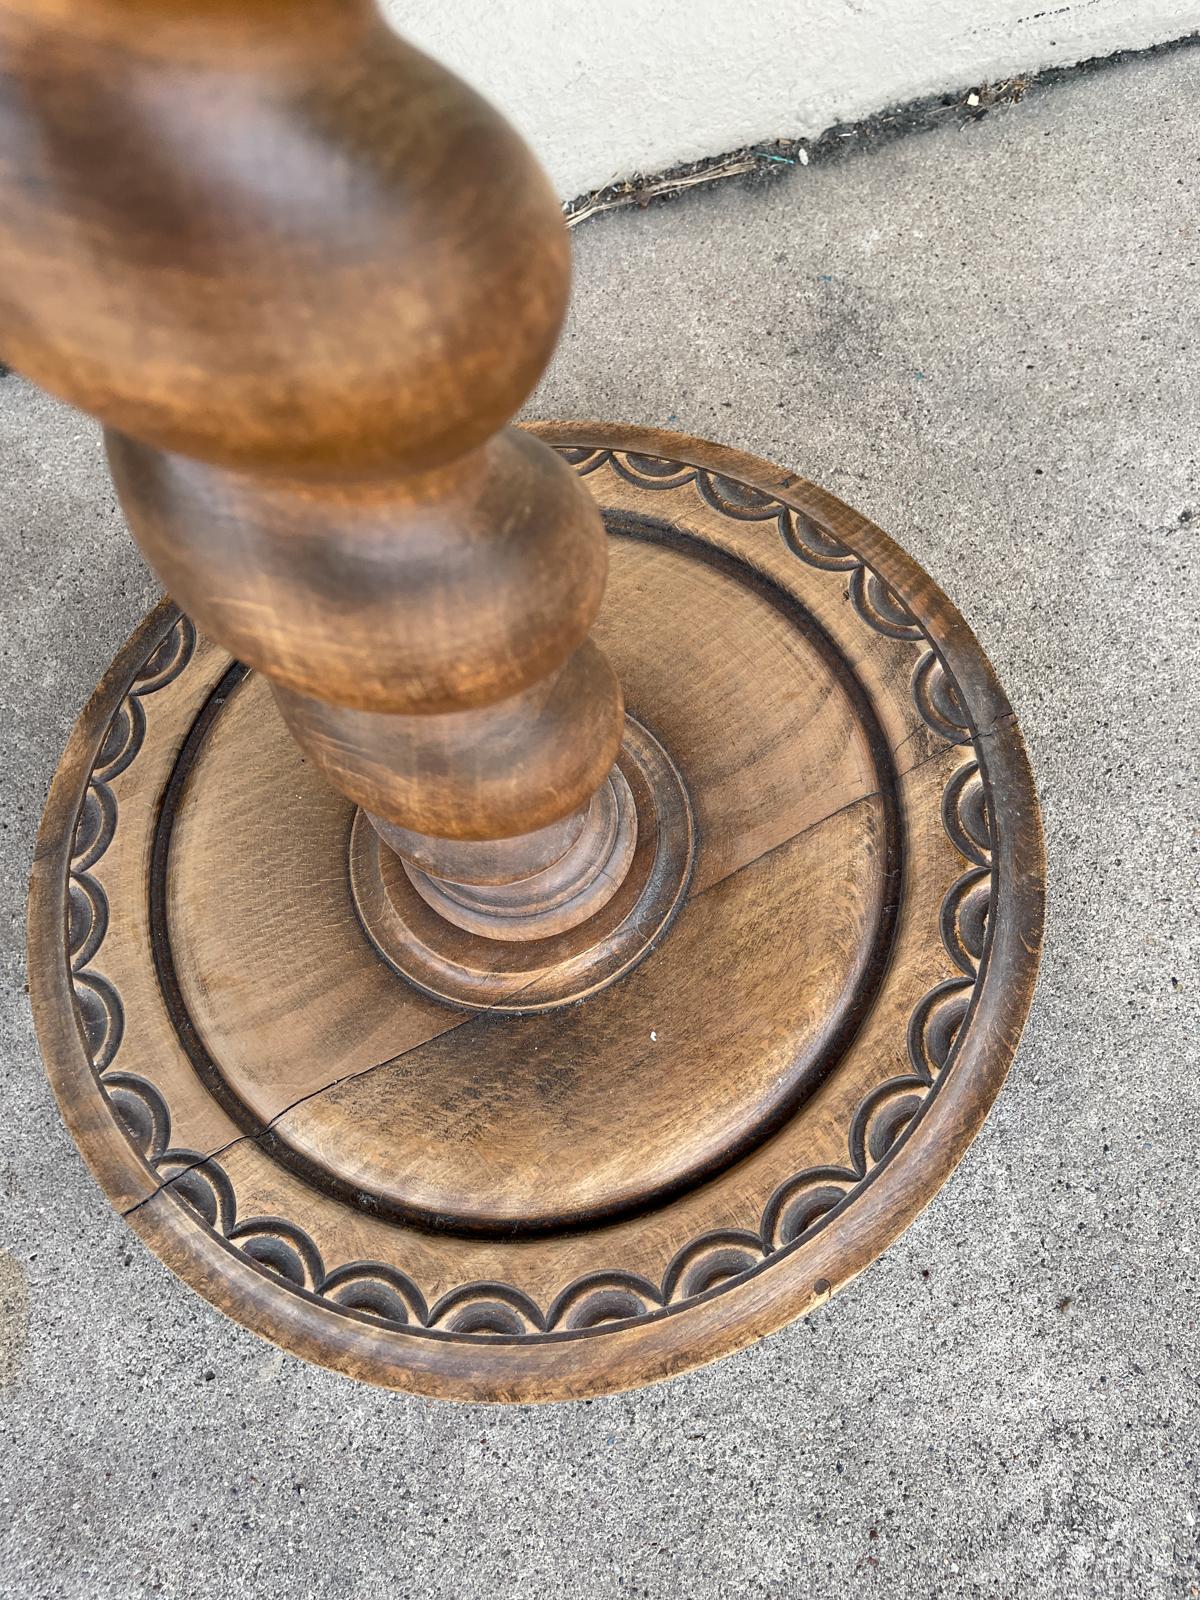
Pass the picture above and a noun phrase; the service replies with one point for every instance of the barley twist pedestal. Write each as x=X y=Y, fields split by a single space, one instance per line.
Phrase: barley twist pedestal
x=553 y=904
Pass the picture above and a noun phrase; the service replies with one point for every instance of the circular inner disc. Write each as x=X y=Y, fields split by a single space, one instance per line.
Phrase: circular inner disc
x=816 y=972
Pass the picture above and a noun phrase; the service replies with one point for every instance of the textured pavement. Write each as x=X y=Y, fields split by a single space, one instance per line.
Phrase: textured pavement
x=985 y=337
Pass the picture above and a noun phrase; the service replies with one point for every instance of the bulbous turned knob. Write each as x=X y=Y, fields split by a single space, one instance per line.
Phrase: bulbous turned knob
x=269 y=234
x=421 y=592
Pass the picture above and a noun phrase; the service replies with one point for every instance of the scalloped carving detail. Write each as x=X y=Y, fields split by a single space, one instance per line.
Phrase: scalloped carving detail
x=713 y=1261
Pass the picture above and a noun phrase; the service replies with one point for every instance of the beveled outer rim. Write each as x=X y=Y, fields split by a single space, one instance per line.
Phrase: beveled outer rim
x=602 y=1360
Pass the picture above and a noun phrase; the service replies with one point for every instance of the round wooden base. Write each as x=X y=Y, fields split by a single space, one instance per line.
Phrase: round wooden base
x=522 y=1204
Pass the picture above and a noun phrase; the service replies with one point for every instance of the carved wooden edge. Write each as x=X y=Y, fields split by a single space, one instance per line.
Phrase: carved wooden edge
x=591 y=444
x=114 y=1162
x=889 y=1186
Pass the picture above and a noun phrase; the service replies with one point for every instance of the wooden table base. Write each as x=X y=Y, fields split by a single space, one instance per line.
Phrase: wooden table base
x=488 y=1206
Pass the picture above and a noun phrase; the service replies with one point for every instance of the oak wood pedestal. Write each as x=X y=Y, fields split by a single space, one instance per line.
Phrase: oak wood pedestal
x=518 y=1169
x=473 y=977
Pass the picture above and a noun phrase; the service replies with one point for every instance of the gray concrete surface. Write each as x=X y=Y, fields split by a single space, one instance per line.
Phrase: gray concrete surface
x=986 y=338
x=707 y=76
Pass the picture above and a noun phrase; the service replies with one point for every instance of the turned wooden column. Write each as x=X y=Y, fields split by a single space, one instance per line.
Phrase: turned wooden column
x=304 y=277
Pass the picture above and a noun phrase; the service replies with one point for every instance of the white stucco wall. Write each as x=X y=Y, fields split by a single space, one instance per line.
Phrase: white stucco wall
x=606 y=88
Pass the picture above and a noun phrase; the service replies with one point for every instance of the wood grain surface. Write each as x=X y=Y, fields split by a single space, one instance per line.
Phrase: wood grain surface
x=511 y=1208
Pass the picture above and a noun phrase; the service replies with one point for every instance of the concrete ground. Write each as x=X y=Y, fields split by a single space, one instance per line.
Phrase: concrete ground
x=986 y=338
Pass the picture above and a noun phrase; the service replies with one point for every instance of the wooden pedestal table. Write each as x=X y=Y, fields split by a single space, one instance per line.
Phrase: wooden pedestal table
x=432 y=1005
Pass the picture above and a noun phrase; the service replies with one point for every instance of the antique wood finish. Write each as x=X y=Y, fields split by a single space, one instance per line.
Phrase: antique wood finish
x=345 y=860
x=571 y=1201
x=304 y=277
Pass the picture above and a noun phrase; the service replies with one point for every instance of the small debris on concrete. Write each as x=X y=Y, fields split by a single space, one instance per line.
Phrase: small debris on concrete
x=641 y=190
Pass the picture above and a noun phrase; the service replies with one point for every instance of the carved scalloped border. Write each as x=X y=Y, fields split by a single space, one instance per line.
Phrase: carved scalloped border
x=714 y=1260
